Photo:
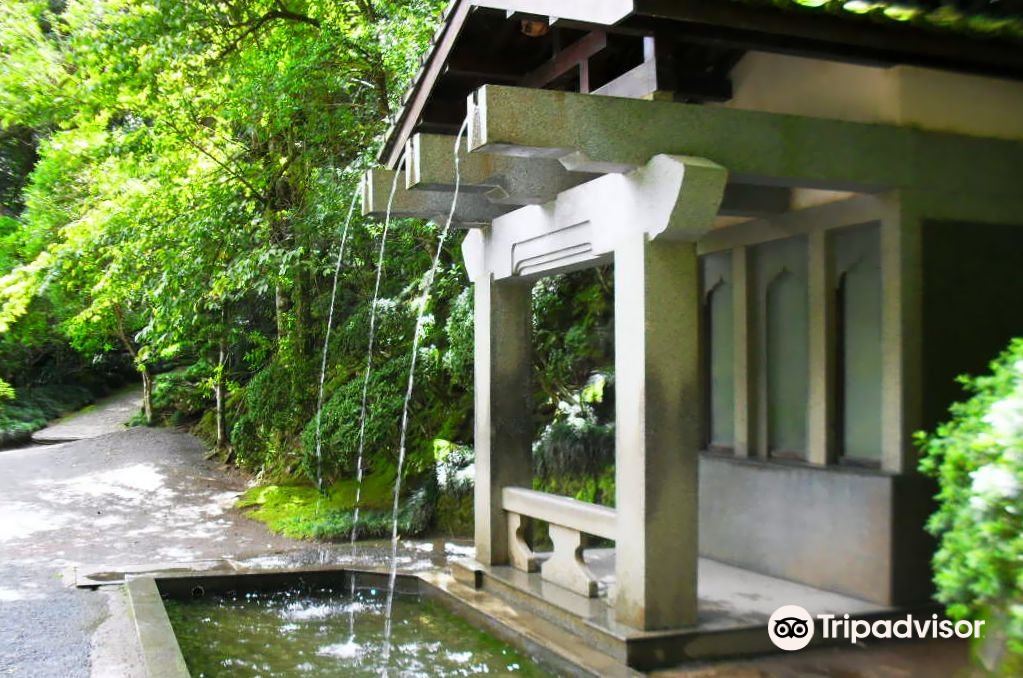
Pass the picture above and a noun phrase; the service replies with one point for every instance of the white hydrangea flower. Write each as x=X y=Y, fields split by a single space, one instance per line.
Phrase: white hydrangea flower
x=994 y=481
x=1006 y=418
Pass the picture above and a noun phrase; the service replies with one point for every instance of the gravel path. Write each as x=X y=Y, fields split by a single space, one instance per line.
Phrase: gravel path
x=135 y=497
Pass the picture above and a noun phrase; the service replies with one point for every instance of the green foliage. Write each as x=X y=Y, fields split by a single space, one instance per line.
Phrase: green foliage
x=6 y=391
x=575 y=453
x=458 y=359
x=175 y=175
x=302 y=512
x=454 y=510
x=29 y=409
x=182 y=395
x=980 y=18
x=977 y=460
x=573 y=333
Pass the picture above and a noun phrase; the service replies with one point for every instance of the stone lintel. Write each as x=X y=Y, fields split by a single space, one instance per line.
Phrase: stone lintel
x=610 y=134
x=505 y=180
x=669 y=198
x=473 y=210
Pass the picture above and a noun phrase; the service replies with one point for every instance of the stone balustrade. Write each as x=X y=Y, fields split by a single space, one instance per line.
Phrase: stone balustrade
x=571 y=523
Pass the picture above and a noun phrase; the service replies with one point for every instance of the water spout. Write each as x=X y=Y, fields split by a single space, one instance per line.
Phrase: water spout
x=326 y=343
x=365 y=381
x=416 y=337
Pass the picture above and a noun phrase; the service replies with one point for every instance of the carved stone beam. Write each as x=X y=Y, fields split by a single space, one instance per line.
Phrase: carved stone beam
x=608 y=134
x=472 y=211
x=670 y=197
x=504 y=180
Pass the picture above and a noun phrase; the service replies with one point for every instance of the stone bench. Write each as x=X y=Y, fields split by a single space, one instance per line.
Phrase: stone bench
x=571 y=523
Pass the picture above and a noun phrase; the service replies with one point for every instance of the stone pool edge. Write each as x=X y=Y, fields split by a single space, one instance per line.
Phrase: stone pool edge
x=554 y=648
x=161 y=654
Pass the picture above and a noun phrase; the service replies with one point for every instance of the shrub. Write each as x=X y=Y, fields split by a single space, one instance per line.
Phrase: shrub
x=458 y=359
x=977 y=458
x=574 y=455
x=264 y=435
x=184 y=394
x=31 y=409
x=455 y=482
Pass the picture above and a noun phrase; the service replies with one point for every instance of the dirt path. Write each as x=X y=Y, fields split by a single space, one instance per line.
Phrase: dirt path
x=135 y=497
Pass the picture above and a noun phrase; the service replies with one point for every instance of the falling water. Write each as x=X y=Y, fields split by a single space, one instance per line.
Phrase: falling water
x=326 y=343
x=417 y=335
x=365 y=388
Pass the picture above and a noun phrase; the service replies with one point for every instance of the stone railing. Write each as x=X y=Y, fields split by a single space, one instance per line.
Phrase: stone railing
x=571 y=522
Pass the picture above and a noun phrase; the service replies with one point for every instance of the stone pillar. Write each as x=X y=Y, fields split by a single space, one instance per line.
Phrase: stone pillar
x=503 y=426
x=820 y=420
x=745 y=359
x=658 y=391
x=901 y=336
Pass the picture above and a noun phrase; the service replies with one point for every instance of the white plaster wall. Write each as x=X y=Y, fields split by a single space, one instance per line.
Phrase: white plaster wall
x=901 y=95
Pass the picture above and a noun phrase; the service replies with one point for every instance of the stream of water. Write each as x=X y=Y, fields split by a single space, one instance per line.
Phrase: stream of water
x=366 y=378
x=422 y=303
x=326 y=342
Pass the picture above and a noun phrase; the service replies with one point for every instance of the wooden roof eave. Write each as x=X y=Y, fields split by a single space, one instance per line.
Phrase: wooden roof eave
x=419 y=90
x=827 y=36
x=736 y=25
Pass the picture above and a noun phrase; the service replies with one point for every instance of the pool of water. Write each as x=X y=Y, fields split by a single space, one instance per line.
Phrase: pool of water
x=323 y=632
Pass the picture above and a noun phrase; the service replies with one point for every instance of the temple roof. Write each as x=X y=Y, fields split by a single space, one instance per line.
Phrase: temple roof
x=690 y=47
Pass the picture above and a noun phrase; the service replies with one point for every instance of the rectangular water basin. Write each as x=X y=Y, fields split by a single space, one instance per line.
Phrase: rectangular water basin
x=306 y=623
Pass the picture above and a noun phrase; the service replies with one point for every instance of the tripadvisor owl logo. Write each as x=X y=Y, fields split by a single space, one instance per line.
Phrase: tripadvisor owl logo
x=790 y=628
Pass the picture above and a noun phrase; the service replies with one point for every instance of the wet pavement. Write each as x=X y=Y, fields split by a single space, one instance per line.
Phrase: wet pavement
x=136 y=498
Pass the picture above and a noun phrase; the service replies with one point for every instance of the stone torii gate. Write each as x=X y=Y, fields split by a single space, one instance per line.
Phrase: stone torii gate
x=543 y=211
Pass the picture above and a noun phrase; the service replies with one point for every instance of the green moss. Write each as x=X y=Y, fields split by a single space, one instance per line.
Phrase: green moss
x=302 y=512
x=946 y=19
x=455 y=514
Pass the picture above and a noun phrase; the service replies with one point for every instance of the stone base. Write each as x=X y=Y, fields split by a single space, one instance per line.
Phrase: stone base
x=734 y=608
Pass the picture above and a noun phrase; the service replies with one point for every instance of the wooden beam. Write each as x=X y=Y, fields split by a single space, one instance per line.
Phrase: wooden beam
x=823 y=35
x=409 y=115
x=662 y=71
x=566 y=60
x=480 y=76
x=647 y=78
x=593 y=11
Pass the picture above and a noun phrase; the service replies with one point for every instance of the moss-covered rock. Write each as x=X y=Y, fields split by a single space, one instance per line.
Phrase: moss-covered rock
x=303 y=512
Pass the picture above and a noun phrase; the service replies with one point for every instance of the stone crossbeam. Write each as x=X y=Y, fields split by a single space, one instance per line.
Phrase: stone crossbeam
x=609 y=134
x=669 y=197
x=473 y=210
x=504 y=180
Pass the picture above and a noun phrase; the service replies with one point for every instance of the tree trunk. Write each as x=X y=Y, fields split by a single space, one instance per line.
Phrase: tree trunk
x=147 y=393
x=281 y=304
x=219 y=390
x=147 y=376
x=302 y=312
